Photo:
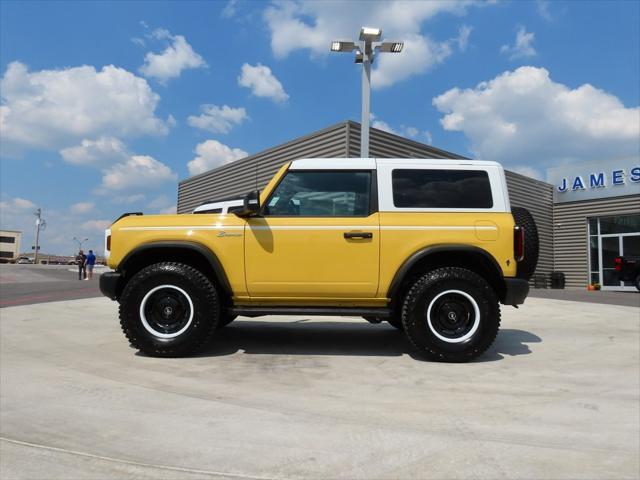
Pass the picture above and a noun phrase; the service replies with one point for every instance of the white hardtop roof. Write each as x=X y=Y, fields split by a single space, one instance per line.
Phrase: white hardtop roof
x=373 y=163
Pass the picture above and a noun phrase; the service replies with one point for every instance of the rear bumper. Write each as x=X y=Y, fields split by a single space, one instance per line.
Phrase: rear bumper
x=110 y=284
x=516 y=290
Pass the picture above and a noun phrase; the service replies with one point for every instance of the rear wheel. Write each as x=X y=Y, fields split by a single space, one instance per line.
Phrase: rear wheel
x=451 y=315
x=169 y=310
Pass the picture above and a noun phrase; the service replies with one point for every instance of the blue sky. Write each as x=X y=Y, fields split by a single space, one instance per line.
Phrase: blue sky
x=105 y=105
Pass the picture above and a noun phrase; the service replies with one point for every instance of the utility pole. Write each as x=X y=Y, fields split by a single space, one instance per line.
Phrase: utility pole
x=40 y=223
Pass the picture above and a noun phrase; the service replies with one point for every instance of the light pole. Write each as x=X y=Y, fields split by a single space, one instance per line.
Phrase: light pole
x=365 y=53
x=80 y=242
x=40 y=225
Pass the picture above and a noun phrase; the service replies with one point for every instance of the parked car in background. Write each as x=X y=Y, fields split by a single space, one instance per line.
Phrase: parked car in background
x=628 y=268
x=24 y=260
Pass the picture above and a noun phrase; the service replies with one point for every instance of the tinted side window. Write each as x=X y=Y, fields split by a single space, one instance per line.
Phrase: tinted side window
x=235 y=209
x=441 y=189
x=321 y=194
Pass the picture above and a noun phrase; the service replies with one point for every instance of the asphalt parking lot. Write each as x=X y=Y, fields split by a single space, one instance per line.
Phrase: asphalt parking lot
x=556 y=397
x=29 y=284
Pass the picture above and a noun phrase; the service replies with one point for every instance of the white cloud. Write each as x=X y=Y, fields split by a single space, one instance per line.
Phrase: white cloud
x=81 y=207
x=312 y=25
x=524 y=116
x=96 y=153
x=403 y=130
x=229 y=9
x=527 y=171
x=96 y=226
x=212 y=154
x=262 y=82
x=543 y=10
x=217 y=119
x=178 y=56
x=171 y=210
x=50 y=109
x=523 y=46
x=463 y=37
x=428 y=137
x=139 y=171
x=16 y=204
x=420 y=54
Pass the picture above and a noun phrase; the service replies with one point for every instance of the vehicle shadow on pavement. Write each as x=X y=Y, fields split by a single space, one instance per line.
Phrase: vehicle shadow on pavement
x=308 y=337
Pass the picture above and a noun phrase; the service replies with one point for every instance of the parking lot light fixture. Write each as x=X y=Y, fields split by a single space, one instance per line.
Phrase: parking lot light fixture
x=80 y=242
x=365 y=54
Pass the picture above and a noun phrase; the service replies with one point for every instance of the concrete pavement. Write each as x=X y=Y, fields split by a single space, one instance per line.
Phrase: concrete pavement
x=556 y=397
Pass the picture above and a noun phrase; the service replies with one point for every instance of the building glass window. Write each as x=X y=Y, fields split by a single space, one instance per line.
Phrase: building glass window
x=622 y=224
x=321 y=194
x=6 y=254
x=7 y=239
x=610 y=237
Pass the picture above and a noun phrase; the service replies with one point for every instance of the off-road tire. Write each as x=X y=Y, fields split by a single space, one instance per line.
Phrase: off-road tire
x=427 y=291
x=524 y=219
x=197 y=331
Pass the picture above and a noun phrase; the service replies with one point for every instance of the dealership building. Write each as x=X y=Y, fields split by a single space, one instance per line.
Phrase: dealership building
x=586 y=215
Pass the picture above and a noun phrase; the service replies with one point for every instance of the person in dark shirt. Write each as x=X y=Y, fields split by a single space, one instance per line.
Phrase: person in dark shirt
x=81 y=258
x=90 y=263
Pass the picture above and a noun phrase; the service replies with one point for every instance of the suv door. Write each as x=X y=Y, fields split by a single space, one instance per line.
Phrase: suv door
x=318 y=237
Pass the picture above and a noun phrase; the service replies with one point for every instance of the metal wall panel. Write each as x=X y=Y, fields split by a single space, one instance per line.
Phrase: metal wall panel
x=537 y=197
x=570 y=233
x=387 y=145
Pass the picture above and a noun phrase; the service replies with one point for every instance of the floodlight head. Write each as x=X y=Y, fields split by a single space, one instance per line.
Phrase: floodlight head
x=359 y=57
x=370 y=34
x=341 y=46
x=391 y=47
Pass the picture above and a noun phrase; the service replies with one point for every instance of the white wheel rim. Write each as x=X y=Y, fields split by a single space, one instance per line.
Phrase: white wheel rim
x=150 y=329
x=476 y=322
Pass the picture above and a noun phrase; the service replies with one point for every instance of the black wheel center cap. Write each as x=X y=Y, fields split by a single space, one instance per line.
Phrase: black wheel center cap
x=167 y=312
x=453 y=318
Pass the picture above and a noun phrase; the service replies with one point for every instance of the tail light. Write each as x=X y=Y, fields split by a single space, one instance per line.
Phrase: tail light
x=617 y=264
x=518 y=243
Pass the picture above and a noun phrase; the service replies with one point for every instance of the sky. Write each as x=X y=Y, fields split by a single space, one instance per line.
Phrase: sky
x=105 y=106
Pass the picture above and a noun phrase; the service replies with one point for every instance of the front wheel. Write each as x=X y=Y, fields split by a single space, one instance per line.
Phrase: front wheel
x=169 y=310
x=451 y=315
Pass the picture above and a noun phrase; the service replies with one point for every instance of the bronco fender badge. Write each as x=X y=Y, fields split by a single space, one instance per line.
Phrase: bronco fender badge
x=227 y=234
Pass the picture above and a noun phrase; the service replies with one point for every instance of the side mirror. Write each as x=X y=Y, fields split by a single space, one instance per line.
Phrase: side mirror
x=251 y=205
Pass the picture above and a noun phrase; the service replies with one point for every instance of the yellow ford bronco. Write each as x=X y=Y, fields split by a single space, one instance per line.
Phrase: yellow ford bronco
x=430 y=246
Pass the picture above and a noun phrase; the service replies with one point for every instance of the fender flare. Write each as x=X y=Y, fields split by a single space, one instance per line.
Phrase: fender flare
x=419 y=255
x=207 y=253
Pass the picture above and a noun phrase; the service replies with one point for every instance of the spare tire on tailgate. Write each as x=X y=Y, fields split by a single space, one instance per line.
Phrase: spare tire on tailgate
x=524 y=219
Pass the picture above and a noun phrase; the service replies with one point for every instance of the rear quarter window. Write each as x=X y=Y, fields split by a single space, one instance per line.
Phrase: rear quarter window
x=431 y=188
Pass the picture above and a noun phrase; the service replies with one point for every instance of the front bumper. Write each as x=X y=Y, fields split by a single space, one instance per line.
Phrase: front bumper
x=110 y=284
x=516 y=290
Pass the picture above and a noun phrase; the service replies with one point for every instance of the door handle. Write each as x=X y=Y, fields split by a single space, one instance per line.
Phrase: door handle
x=351 y=235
